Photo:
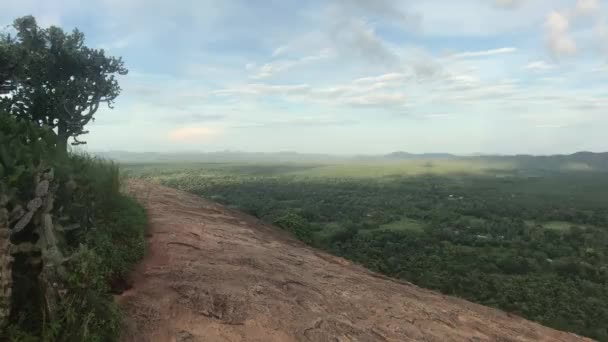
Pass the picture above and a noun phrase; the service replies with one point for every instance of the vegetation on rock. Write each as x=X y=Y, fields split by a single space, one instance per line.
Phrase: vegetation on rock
x=67 y=233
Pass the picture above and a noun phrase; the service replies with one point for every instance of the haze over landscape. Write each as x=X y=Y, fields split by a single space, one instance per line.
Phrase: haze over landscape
x=348 y=77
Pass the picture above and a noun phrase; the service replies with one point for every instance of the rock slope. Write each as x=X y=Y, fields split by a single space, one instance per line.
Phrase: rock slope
x=214 y=274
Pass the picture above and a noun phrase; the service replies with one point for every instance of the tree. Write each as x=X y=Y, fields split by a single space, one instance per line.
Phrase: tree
x=296 y=225
x=8 y=65
x=54 y=79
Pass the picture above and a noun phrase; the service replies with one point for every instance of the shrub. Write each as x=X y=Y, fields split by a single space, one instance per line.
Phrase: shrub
x=90 y=219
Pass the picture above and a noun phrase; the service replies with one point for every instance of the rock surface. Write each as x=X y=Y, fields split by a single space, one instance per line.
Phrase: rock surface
x=213 y=274
x=39 y=219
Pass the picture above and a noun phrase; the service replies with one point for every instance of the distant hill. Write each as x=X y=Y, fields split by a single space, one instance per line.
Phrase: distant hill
x=578 y=161
x=413 y=156
x=217 y=157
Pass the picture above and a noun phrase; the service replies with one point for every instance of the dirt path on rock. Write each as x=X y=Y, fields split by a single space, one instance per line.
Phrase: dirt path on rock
x=213 y=274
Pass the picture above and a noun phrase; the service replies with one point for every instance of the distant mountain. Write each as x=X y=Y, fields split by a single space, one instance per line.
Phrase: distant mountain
x=577 y=161
x=409 y=156
x=217 y=157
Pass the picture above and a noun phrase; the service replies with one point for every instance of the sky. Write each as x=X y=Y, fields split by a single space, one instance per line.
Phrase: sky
x=347 y=76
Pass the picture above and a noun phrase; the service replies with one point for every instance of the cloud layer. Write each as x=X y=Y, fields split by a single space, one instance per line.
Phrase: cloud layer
x=350 y=76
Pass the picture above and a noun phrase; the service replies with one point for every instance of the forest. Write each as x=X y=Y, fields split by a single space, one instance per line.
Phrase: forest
x=528 y=241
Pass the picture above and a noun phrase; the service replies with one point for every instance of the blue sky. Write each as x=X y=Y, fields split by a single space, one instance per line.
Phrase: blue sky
x=347 y=76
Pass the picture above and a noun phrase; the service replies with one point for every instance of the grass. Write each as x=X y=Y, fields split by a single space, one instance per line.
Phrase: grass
x=215 y=169
x=88 y=312
x=101 y=253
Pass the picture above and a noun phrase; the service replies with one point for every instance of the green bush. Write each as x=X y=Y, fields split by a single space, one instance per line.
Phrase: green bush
x=108 y=240
x=296 y=225
x=106 y=254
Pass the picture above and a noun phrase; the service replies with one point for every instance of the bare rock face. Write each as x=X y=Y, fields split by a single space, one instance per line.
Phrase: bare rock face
x=37 y=217
x=42 y=202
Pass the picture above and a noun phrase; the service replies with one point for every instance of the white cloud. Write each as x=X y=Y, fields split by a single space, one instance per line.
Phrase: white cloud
x=479 y=18
x=510 y=4
x=279 y=51
x=558 y=37
x=383 y=100
x=376 y=71
x=390 y=10
x=260 y=89
x=485 y=53
x=539 y=66
x=603 y=68
x=119 y=43
x=587 y=7
x=423 y=65
x=274 y=67
x=456 y=81
x=269 y=69
x=557 y=23
x=390 y=77
x=348 y=30
x=558 y=27
x=309 y=121
x=602 y=37
x=356 y=38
